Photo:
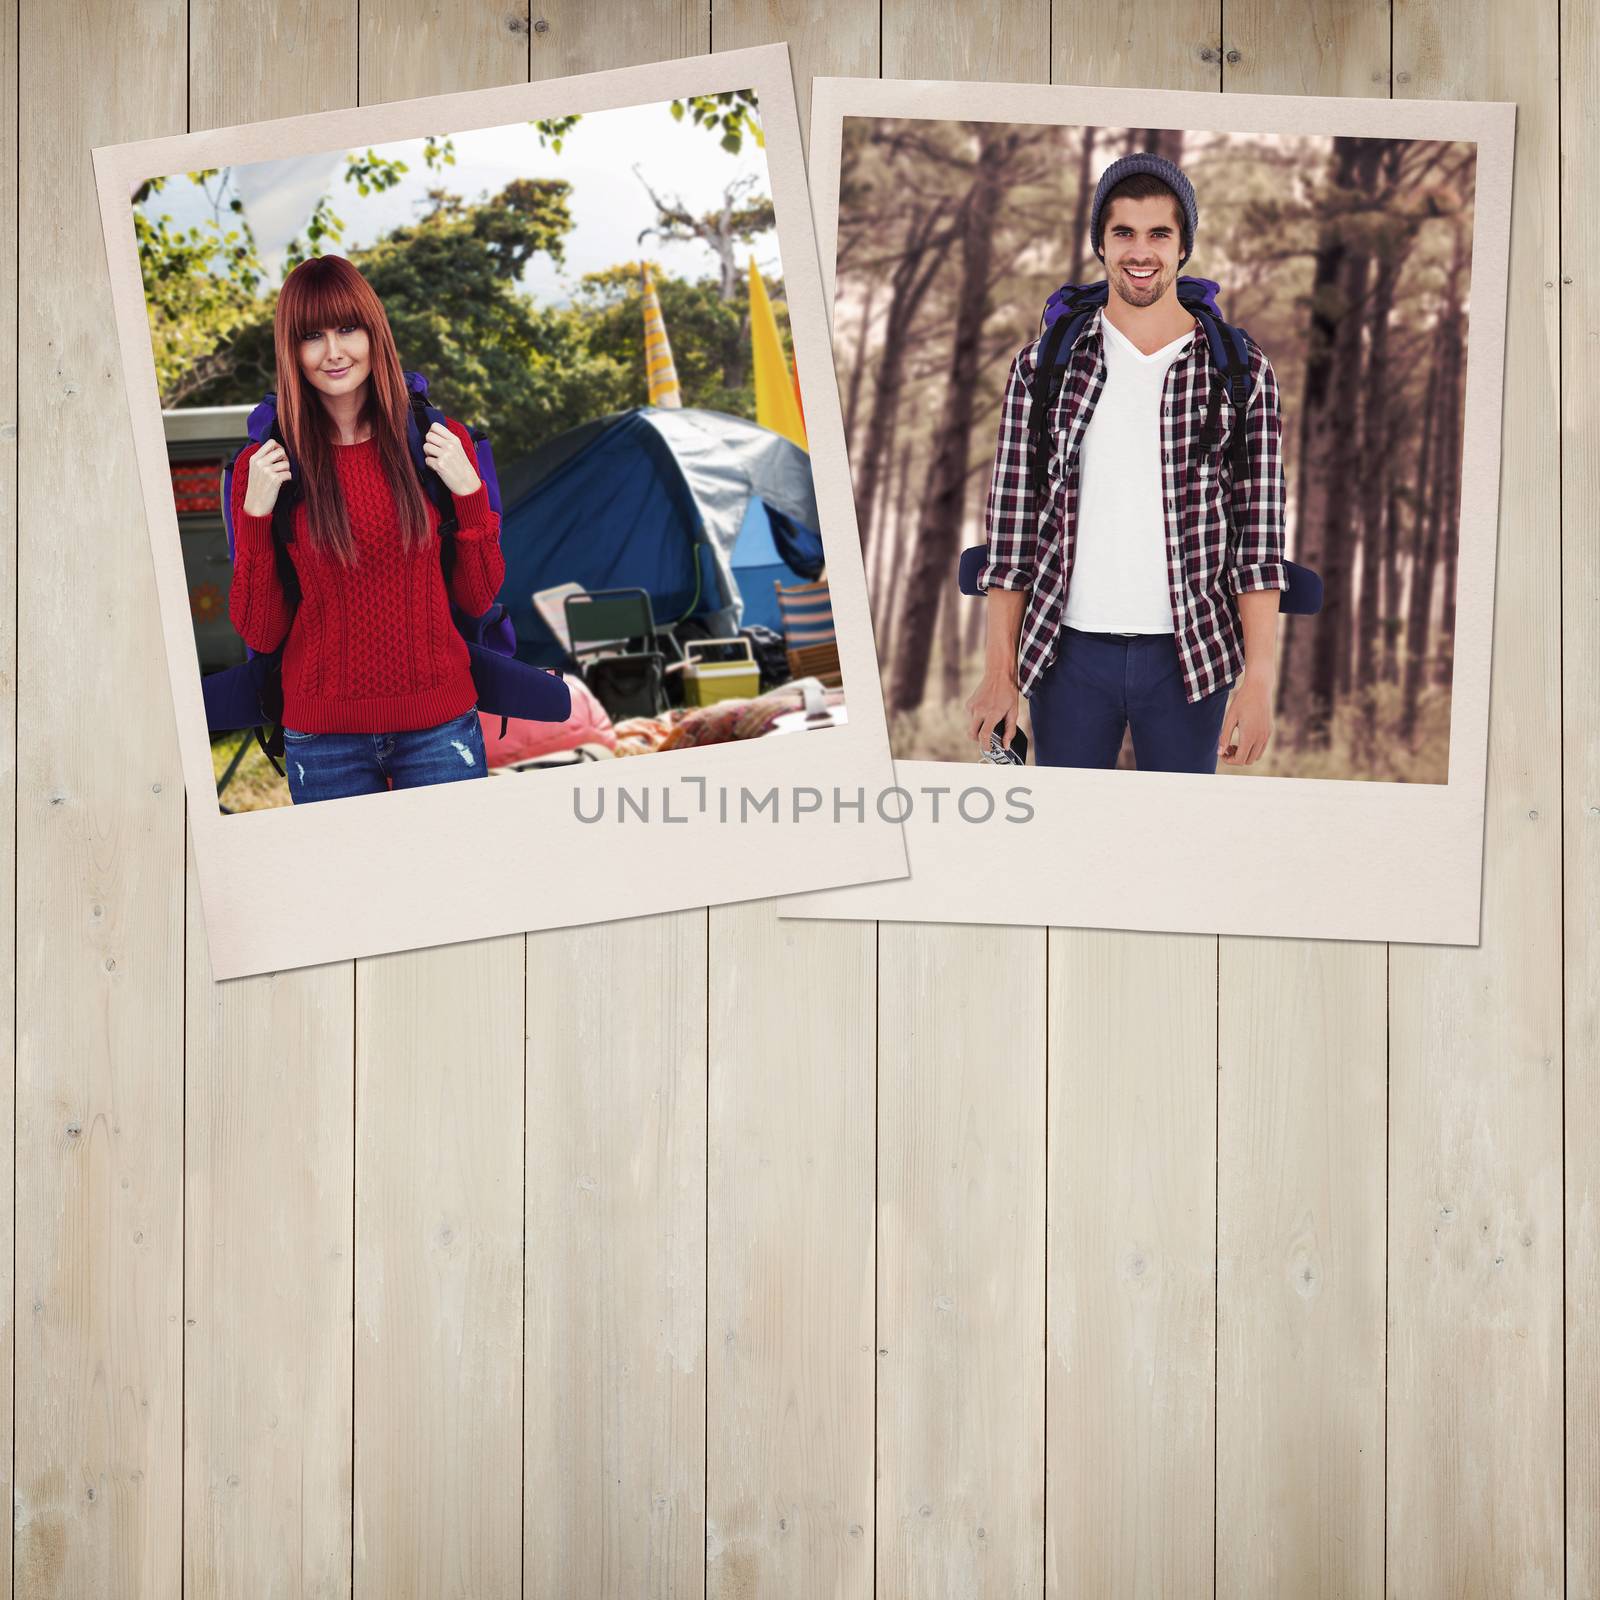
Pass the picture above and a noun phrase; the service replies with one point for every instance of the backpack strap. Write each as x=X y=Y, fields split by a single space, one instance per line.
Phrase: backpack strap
x=1230 y=356
x=1049 y=371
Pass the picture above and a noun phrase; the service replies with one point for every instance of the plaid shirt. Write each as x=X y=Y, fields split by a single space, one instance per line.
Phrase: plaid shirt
x=1028 y=550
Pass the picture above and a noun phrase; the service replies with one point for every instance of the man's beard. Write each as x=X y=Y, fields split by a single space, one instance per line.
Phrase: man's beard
x=1136 y=295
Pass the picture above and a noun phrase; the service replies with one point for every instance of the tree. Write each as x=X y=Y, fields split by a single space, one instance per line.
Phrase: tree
x=733 y=223
x=938 y=541
x=709 y=336
x=449 y=287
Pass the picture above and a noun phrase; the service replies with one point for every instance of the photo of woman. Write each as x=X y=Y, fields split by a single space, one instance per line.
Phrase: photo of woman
x=378 y=690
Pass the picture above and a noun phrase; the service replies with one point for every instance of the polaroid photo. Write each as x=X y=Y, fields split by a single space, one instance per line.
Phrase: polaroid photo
x=495 y=436
x=1173 y=422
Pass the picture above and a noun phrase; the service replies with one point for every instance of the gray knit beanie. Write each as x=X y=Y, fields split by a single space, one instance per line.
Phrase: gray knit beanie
x=1157 y=167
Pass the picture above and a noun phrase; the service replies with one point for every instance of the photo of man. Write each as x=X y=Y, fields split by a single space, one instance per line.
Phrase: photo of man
x=1156 y=435
x=1121 y=603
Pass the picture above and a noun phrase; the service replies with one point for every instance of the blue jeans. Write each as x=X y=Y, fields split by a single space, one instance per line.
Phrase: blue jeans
x=328 y=766
x=1101 y=683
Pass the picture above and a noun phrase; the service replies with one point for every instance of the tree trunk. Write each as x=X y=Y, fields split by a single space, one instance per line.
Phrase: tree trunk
x=950 y=640
x=1389 y=668
x=926 y=247
x=1450 y=498
x=1329 y=409
x=1317 y=422
x=889 y=547
x=1377 y=456
x=1441 y=497
x=937 y=545
x=1080 y=215
x=860 y=367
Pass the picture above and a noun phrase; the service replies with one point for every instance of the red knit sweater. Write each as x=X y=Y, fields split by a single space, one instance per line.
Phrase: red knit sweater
x=371 y=648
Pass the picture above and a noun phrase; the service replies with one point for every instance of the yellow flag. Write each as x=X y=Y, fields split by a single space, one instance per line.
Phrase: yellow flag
x=660 y=373
x=777 y=403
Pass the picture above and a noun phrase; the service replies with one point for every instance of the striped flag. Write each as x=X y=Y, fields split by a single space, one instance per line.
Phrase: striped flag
x=659 y=371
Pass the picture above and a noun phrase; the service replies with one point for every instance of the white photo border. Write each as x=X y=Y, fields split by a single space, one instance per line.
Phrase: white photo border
x=1276 y=856
x=297 y=886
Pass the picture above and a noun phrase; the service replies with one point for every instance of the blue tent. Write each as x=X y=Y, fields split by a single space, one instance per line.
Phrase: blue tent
x=701 y=510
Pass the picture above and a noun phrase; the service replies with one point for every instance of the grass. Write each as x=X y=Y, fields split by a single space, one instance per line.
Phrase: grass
x=256 y=786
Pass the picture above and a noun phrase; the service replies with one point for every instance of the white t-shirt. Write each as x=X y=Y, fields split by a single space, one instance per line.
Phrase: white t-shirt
x=1119 y=563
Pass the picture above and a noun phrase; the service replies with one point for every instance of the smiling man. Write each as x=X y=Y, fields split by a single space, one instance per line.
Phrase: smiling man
x=1119 y=604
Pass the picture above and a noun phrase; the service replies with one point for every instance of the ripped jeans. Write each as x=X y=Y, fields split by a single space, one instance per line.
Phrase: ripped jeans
x=328 y=766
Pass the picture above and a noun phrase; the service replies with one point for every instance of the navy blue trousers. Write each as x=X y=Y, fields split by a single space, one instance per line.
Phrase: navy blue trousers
x=1102 y=683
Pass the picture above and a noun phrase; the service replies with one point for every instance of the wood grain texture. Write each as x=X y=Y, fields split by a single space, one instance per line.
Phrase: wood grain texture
x=962 y=1131
x=100 y=866
x=440 y=1146
x=961 y=1257
x=614 y=1440
x=439 y=1261
x=1132 y=1186
x=789 y=1275
x=1302 y=1034
x=269 y=1089
x=9 y=529
x=790 y=1197
x=615 y=1459
x=690 y=1256
x=1475 y=1201
x=269 y=1180
x=1580 y=809
x=1131 y=1208
x=839 y=41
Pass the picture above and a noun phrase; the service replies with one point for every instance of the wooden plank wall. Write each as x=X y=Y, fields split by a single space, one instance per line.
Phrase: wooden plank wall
x=720 y=1256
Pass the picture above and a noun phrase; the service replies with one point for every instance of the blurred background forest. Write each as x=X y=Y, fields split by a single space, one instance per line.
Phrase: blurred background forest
x=1349 y=263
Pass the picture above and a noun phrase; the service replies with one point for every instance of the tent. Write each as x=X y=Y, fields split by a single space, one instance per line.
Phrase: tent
x=701 y=510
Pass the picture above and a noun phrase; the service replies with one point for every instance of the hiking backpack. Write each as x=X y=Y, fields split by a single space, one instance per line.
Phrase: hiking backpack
x=250 y=695
x=1065 y=314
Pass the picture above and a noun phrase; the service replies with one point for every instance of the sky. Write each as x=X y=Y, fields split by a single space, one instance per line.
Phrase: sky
x=608 y=203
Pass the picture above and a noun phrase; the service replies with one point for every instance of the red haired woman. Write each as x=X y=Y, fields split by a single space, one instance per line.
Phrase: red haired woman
x=377 y=682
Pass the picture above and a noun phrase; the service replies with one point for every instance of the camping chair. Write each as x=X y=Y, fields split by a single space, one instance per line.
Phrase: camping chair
x=615 y=629
x=808 y=633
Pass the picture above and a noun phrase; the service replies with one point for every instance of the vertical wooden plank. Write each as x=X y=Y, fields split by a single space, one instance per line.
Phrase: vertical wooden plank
x=100 y=864
x=9 y=530
x=1301 y=1194
x=961 y=1229
x=789 y=1412
x=616 y=1331
x=789 y=1425
x=1475 y=1213
x=439 y=1119
x=1580 y=640
x=1302 y=1086
x=269 y=1091
x=439 y=1259
x=614 y=1438
x=1131 y=1299
x=1580 y=135
x=961 y=1252
x=1131 y=1187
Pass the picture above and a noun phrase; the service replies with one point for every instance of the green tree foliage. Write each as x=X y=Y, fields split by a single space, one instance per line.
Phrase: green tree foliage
x=732 y=114
x=710 y=336
x=193 y=306
x=201 y=285
x=449 y=284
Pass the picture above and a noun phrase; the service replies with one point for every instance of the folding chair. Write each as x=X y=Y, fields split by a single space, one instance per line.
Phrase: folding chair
x=617 y=650
x=809 y=639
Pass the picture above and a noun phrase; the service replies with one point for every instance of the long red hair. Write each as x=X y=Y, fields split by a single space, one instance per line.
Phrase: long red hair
x=327 y=292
